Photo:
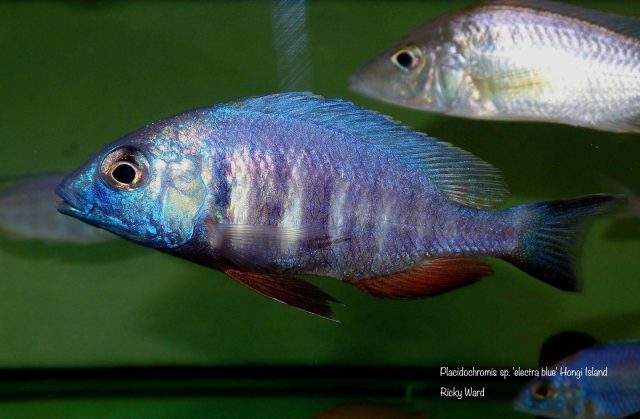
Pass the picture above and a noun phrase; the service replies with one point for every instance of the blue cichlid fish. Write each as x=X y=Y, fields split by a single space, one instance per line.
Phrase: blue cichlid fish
x=531 y=60
x=267 y=188
x=598 y=382
x=28 y=212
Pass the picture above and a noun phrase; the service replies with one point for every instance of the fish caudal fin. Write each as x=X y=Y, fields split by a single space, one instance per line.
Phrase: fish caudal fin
x=550 y=241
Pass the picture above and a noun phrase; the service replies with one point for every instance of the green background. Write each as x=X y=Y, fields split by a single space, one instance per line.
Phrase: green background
x=77 y=75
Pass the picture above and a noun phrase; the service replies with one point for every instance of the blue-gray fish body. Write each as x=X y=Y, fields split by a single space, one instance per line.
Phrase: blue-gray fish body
x=598 y=382
x=270 y=187
x=28 y=212
x=531 y=60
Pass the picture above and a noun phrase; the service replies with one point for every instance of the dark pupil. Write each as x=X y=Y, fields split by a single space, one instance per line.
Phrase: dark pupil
x=542 y=391
x=124 y=174
x=404 y=59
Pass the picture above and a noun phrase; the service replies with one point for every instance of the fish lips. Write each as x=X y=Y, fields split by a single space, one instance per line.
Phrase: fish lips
x=376 y=79
x=360 y=85
x=71 y=204
x=519 y=405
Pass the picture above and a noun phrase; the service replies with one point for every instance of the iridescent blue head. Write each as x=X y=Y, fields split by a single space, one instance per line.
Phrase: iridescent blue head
x=553 y=397
x=148 y=187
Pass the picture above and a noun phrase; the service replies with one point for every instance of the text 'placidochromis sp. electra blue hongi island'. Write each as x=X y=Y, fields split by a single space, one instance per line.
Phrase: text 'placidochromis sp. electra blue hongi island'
x=268 y=188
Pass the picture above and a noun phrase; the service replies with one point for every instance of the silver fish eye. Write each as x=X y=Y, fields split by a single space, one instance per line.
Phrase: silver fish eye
x=124 y=168
x=407 y=58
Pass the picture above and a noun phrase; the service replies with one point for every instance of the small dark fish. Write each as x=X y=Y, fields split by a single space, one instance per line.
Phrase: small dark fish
x=529 y=60
x=602 y=381
x=268 y=188
x=28 y=212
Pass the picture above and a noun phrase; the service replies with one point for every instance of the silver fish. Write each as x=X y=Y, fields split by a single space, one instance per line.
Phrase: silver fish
x=529 y=60
x=28 y=212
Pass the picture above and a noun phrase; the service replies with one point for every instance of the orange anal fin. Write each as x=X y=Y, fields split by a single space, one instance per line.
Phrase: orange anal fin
x=434 y=277
x=287 y=289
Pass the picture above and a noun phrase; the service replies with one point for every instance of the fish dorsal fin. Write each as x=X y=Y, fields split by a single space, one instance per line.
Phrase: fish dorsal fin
x=624 y=25
x=434 y=277
x=463 y=177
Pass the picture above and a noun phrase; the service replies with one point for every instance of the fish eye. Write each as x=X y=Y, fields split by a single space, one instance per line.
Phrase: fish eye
x=542 y=391
x=125 y=168
x=124 y=173
x=407 y=58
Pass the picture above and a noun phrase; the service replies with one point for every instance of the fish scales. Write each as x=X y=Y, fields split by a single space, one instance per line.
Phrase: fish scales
x=530 y=60
x=618 y=393
x=614 y=395
x=268 y=188
x=590 y=64
x=415 y=224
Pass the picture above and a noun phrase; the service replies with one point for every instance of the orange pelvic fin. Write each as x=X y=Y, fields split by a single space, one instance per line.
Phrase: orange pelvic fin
x=287 y=289
x=434 y=277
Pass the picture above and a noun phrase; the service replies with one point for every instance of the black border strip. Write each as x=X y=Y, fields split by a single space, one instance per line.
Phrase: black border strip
x=239 y=381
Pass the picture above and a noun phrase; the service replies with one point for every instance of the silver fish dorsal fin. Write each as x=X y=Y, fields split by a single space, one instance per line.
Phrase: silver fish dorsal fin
x=460 y=175
x=624 y=25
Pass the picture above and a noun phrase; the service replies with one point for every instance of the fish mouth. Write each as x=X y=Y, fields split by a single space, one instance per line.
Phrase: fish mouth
x=65 y=207
x=365 y=88
x=72 y=205
x=358 y=85
x=521 y=407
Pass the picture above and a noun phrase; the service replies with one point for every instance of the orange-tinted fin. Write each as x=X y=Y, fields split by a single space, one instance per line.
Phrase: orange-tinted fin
x=288 y=290
x=434 y=277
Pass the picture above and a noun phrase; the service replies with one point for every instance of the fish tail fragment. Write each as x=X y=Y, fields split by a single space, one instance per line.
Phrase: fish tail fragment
x=550 y=243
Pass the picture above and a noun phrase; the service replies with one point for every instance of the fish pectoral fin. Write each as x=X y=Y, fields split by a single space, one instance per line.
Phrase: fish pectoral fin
x=279 y=238
x=434 y=277
x=511 y=82
x=288 y=290
x=256 y=245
